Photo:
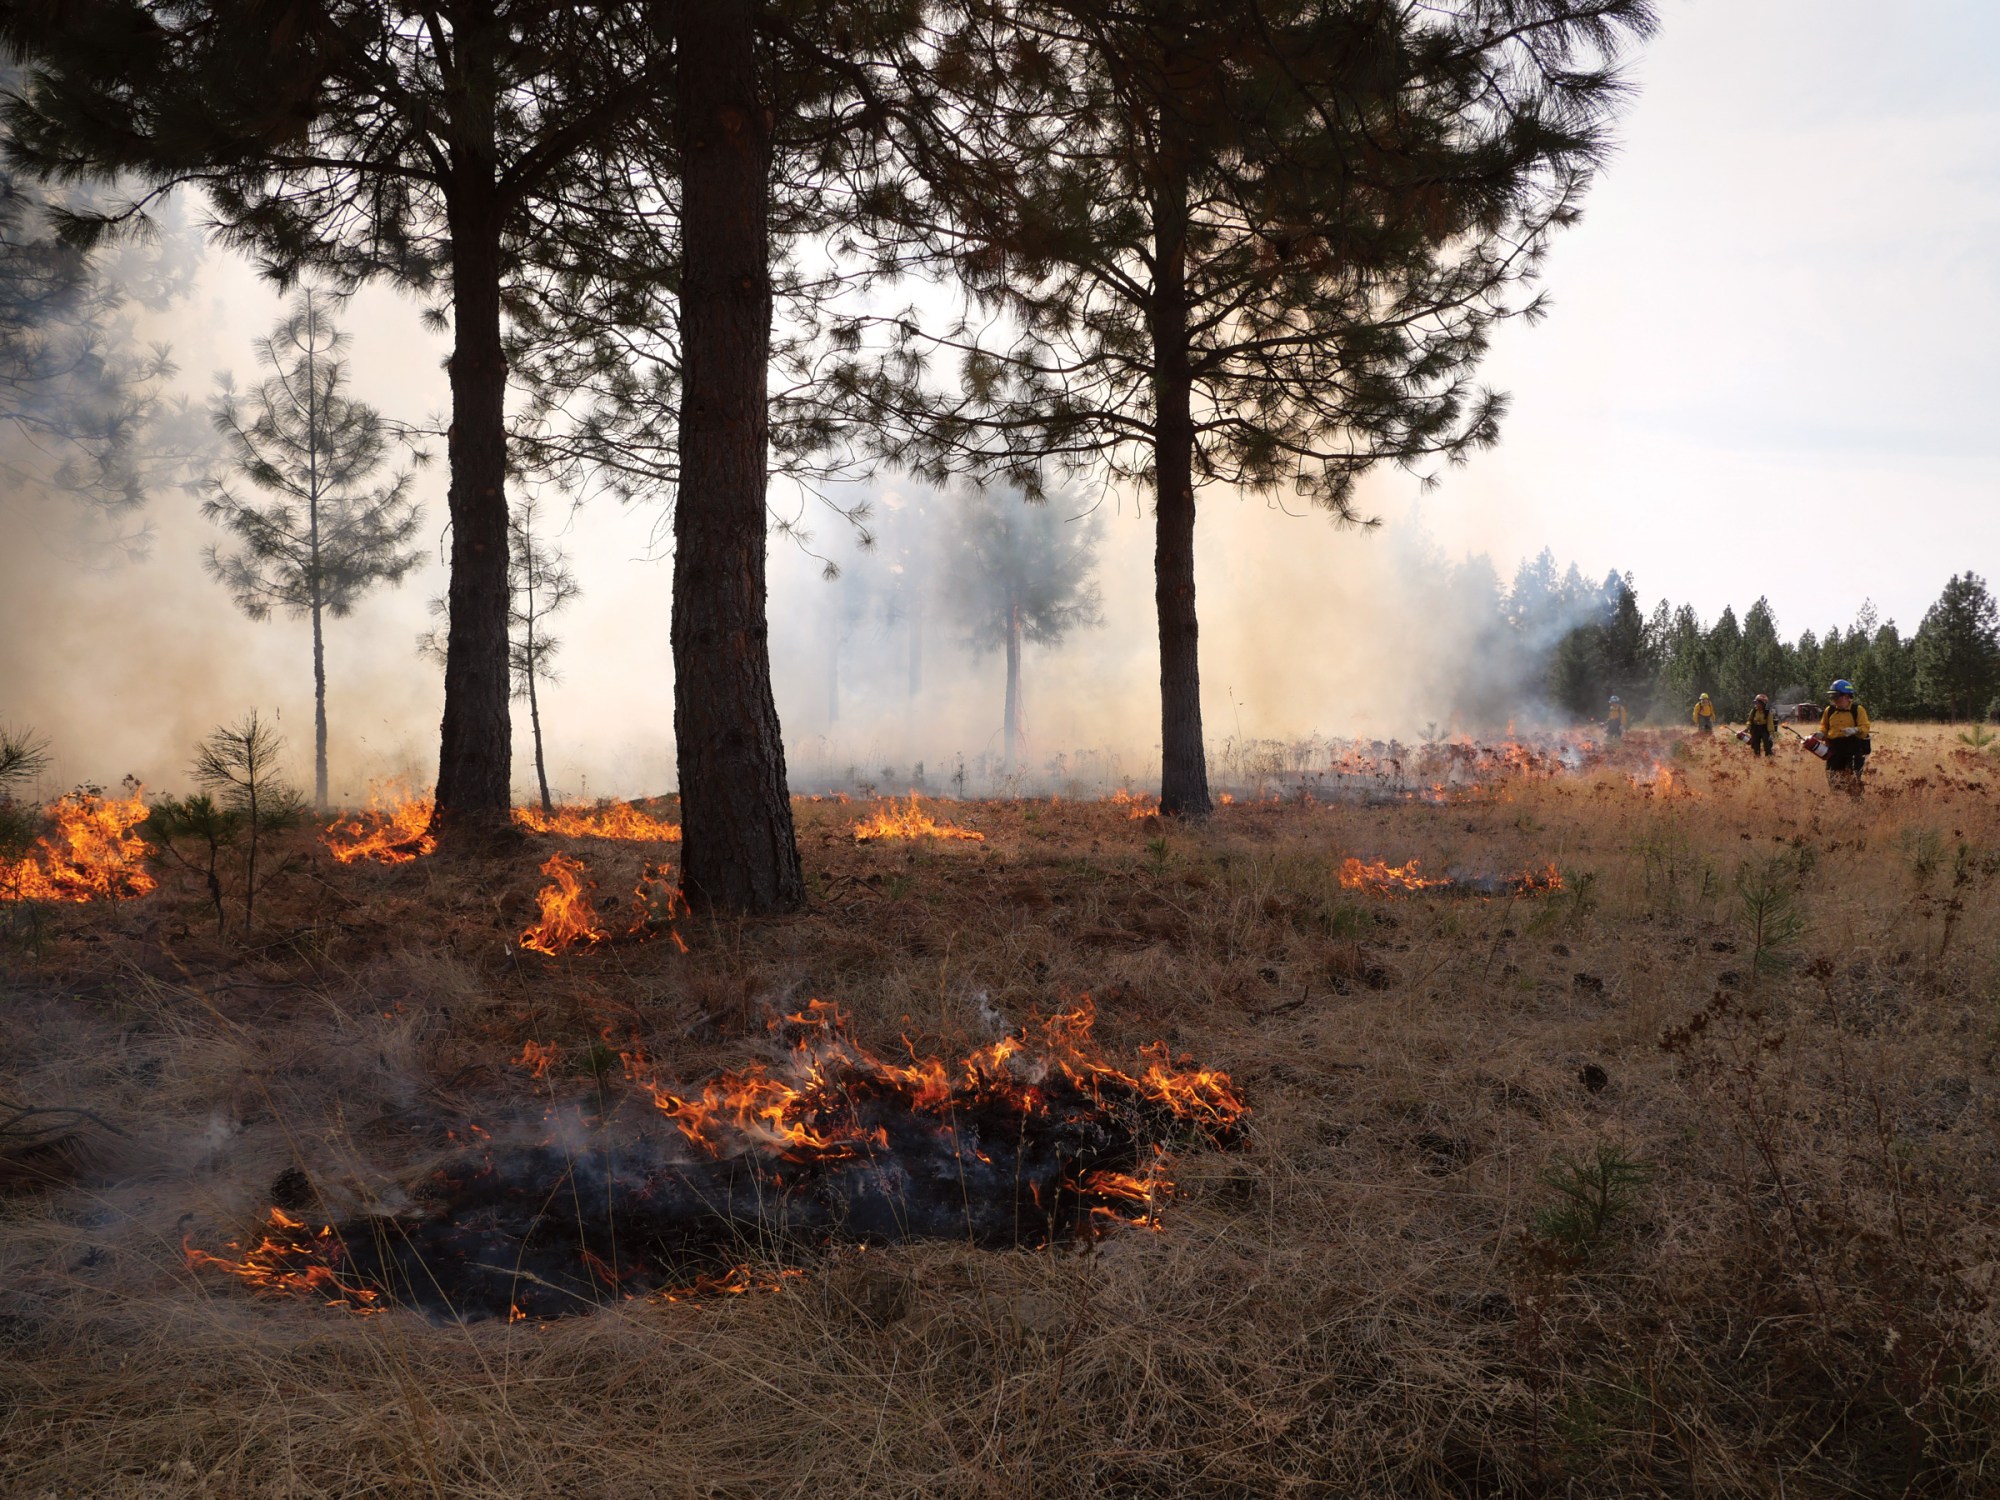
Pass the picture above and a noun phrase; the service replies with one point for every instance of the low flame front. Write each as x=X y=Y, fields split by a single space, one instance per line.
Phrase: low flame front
x=1383 y=877
x=90 y=854
x=1035 y=1138
x=569 y=917
x=911 y=822
x=394 y=830
x=1380 y=878
x=615 y=820
x=1137 y=805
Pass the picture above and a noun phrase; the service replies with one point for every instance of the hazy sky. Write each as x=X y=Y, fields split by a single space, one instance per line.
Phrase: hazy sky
x=1769 y=368
x=1774 y=353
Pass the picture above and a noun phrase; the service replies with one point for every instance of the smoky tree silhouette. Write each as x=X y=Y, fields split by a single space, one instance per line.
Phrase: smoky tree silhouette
x=1021 y=571
x=540 y=582
x=322 y=536
x=85 y=399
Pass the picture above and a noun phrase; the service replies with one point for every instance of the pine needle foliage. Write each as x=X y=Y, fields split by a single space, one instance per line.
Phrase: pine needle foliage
x=320 y=534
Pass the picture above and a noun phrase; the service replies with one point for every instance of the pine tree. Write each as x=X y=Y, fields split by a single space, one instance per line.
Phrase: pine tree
x=323 y=537
x=1890 y=670
x=1759 y=664
x=1021 y=573
x=1628 y=660
x=475 y=151
x=540 y=583
x=1958 y=648
x=1256 y=247
x=90 y=402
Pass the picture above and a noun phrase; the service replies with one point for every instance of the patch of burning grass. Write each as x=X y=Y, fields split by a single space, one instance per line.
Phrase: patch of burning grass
x=1378 y=1294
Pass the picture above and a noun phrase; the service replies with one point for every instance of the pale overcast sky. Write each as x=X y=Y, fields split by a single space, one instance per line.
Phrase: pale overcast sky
x=1775 y=347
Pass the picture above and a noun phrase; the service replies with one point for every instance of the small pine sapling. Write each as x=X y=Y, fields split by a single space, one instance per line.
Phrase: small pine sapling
x=23 y=757
x=1767 y=904
x=1591 y=1193
x=244 y=800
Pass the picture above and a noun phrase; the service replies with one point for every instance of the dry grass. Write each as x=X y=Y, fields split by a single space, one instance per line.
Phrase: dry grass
x=1373 y=1297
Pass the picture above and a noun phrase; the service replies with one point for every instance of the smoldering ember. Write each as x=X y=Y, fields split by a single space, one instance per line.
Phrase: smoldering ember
x=953 y=751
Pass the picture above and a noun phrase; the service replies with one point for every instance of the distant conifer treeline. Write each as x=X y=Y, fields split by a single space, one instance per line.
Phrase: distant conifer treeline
x=1660 y=662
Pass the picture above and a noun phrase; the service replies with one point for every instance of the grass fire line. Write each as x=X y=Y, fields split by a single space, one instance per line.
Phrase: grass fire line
x=1725 y=1060
x=1033 y=1140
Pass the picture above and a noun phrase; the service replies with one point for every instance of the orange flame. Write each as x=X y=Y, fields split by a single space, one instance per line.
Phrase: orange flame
x=1662 y=782
x=1383 y=878
x=394 y=830
x=1531 y=879
x=274 y=1264
x=568 y=914
x=912 y=822
x=614 y=820
x=799 y=1108
x=808 y=1105
x=539 y=1056
x=657 y=904
x=91 y=854
x=1137 y=805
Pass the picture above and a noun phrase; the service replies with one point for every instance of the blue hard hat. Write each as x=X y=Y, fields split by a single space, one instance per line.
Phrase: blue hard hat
x=1841 y=685
x=1614 y=697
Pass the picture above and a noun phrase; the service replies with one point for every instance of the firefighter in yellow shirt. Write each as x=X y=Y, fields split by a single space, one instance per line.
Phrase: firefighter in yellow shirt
x=1704 y=716
x=1843 y=724
x=1761 y=725
x=1614 y=719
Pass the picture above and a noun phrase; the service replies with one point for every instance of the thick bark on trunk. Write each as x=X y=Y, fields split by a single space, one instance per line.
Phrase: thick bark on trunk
x=1183 y=762
x=475 y=749
x=738 y=850
x=1011 y=724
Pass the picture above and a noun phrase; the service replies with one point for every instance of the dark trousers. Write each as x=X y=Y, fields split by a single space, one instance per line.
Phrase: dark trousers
x=1760 y=739
x=1845 y=761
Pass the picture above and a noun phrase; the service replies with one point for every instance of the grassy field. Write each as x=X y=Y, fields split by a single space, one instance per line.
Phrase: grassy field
x=1679 y=1180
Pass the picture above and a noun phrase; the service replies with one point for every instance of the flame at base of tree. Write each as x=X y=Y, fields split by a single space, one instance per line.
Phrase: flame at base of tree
x=896 y=822
x=90 y=854
x=1137 y=805
x=394 y=830
x=615 y=820
x=1035 y=1139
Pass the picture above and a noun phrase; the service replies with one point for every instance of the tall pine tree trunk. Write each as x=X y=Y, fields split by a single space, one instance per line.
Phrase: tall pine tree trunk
x=475 y=749
x=312 y=557
x=916 y=677
x=319 y=704
x=1011 y=723
x=534 y=703
x=738 y=850
x=1183 y=762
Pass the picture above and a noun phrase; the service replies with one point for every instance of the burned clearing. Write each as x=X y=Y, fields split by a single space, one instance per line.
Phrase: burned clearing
x=1651 y=1153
